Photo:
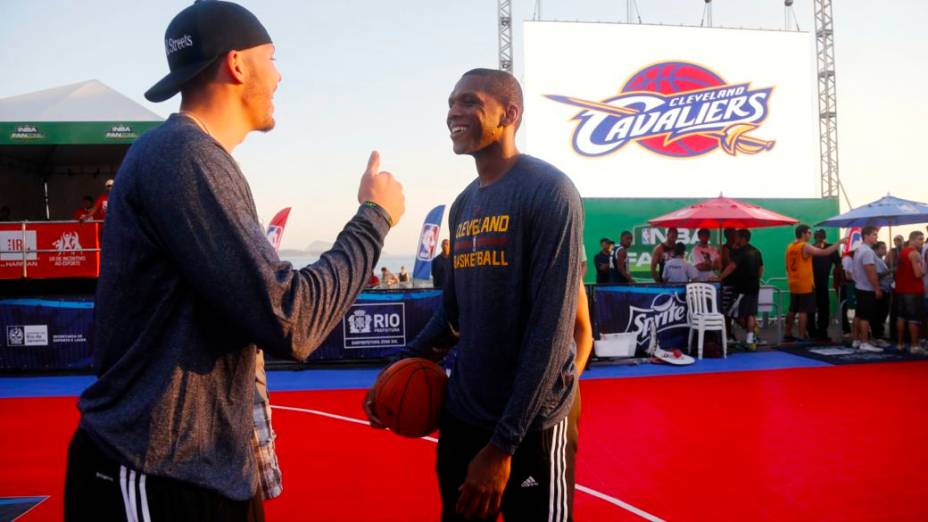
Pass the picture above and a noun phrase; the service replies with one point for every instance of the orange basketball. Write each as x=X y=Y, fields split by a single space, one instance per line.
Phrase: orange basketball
x=408 y=396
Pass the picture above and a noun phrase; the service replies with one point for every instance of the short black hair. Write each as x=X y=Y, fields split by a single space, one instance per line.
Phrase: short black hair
x=867 y=230
x=820 y=232
x=744 y=234
x=88 y=198
x=204 y=77
x=703 y=232
x=625 y=233
x=801 y=231
x=501 y=84
x=878 y=244
x=679 y=249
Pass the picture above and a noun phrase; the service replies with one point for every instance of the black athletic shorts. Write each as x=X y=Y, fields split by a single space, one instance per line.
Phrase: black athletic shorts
x=745 y=305
x=910 y=307
x=98 y=488
x=541 y=482
x=866 y=305
x=729 y=294
x=802 y=303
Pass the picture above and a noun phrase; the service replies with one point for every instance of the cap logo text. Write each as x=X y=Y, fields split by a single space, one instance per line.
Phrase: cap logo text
x=172 y=45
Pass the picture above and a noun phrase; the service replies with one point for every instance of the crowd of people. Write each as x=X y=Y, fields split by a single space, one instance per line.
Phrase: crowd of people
x=884 y=287
x=440 y=267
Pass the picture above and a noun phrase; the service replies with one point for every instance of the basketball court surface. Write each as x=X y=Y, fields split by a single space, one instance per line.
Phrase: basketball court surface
x=762 y=436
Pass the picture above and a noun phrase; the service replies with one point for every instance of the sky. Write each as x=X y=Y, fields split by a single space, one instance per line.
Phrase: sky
x=363 y=75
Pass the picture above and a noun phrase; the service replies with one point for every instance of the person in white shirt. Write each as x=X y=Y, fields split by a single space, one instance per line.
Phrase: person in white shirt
x=868 y=287
x=706 y=257
x=677 y=269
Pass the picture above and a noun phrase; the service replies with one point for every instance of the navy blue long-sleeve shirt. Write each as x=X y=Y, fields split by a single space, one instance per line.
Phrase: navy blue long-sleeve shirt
x=512 y=294
x=188 y=285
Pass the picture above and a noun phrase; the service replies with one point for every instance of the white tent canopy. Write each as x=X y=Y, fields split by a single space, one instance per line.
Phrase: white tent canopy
x=90 y=100
x=59 y=144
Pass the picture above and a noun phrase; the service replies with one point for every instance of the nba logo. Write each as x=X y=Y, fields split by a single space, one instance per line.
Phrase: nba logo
x=854 y=239
x=273 y=235
x=427 y=242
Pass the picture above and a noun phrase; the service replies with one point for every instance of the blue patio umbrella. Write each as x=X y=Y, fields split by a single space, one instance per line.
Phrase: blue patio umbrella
x=886 y=211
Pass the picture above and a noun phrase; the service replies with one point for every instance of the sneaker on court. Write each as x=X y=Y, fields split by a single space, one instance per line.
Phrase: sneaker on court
x=867 y=347
x=918 y=350
x=855 y=344
x=881 y=343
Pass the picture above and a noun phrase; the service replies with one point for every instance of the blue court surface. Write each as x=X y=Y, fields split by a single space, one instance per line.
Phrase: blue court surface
x=360 y=378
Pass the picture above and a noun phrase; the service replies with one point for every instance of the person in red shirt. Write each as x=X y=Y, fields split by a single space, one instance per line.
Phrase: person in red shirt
x=86 y=210
x=910 y=292
x=98 y=212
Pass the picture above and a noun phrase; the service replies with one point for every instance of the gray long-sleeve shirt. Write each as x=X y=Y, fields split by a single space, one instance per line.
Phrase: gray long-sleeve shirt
x=512 y=295
x=188 y=285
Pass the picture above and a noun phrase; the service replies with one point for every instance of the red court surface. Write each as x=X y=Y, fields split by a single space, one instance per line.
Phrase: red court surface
x=836 y=443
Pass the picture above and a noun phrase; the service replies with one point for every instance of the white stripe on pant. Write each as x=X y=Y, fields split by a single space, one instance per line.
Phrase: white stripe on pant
x=128 y=487
x=557 y=487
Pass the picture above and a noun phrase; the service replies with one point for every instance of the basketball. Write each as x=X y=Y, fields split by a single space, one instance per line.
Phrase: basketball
x=669 y=78
x=408 y=396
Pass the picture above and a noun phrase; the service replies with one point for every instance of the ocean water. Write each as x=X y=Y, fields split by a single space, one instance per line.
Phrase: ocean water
x=392 y=262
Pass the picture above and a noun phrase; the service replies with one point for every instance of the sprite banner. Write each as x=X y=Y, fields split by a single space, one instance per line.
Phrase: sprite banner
x=608 y=217
x=628 y=308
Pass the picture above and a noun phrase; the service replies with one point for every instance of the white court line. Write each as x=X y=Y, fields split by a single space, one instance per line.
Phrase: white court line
x=602 y=496
x=624 y=505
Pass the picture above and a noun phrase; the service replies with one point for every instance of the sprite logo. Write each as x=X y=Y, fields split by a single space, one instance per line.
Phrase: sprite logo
x=667 y=311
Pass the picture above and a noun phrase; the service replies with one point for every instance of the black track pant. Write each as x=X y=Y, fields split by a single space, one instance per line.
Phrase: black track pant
x=819 y=328
x=541 y=484
x=97 y=488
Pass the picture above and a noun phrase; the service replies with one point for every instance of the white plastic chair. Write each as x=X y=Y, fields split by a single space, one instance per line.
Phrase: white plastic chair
x=702 y=315
x=767 y=304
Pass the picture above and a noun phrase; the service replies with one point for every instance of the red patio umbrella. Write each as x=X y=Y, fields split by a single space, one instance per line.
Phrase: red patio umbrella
x=722 y=212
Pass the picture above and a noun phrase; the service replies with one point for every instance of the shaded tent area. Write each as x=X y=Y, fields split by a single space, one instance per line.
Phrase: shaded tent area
x=60 y=144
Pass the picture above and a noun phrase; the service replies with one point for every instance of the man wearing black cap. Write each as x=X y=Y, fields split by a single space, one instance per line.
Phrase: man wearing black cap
x=167 y=430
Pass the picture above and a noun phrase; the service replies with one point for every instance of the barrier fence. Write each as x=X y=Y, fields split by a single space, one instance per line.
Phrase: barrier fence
x=43 y=334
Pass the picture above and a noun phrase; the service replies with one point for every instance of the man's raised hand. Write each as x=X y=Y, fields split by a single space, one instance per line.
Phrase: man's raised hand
x=381 y=188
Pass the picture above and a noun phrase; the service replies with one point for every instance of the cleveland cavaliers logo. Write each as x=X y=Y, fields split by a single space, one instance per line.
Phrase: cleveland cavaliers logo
x=676 y=109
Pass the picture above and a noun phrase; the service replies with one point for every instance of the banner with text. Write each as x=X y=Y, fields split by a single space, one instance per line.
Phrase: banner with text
x=49 y=250
x=622 y=309
x=379 y=324
x=46 y=334
x=653 y=111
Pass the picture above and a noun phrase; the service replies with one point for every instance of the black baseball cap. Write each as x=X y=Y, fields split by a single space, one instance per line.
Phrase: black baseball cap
x=198 y=35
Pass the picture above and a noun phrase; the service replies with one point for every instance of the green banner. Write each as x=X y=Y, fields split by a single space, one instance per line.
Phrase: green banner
x=608 y=217
x=72 y=133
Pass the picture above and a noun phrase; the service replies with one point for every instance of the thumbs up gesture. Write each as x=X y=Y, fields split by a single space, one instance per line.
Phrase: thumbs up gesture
x=381 y=187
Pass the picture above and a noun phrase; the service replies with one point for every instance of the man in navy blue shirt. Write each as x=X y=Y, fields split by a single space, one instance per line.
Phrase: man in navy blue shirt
x=507 y=441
